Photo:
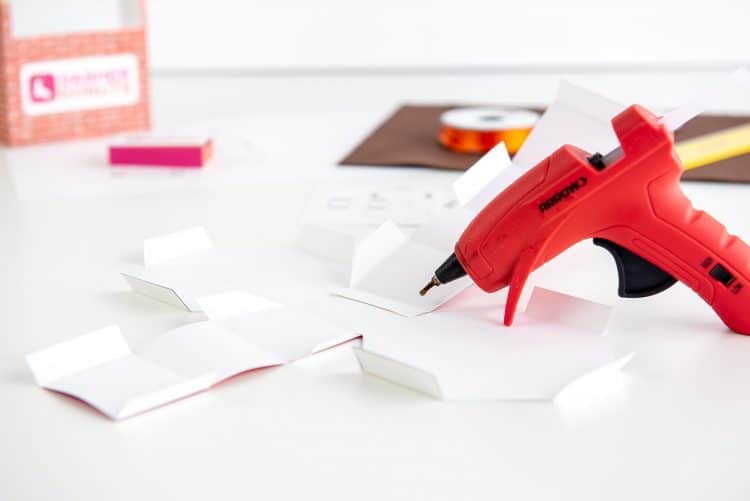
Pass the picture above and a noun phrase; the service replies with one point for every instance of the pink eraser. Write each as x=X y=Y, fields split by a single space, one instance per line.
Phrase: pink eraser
x=160 y=151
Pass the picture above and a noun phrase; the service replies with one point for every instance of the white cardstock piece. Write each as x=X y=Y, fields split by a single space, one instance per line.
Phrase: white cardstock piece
x=389 y=269
x=184 y=266
x=467 y=354
x=100 y=369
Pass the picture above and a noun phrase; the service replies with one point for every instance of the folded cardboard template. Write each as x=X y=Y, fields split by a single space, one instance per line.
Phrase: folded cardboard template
x=244 y=333
x=409 y=136
x=183 y=266
x=465 y=353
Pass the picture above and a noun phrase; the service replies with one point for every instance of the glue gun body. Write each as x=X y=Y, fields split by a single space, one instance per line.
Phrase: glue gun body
x=630 y=203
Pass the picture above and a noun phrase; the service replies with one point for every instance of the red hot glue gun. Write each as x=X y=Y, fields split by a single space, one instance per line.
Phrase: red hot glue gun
x=629 y=201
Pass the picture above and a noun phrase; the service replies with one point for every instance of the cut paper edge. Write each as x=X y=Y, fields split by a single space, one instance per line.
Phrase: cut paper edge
x=583 y=315
x=424 y=381
x=157 y=291
x=474 y=185
x=168 y=395
x=728 y=85
x=77 y=354
x=583 y=100
x=173 y=245
x=331 y=343
x=574 y=98
x=398 y=372
x=384 y=303
x=592 y=385
x=547 y=305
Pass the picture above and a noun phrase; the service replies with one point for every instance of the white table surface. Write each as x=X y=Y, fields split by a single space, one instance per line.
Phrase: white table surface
x=675 y=428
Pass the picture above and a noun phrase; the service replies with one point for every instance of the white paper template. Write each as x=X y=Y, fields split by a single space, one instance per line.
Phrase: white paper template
x=389 y=268
x=577 y=116
x=583 y=118
x=184 y=266
x=467 y=354
x=100 y=369
x=408 y=203
x=245 y=333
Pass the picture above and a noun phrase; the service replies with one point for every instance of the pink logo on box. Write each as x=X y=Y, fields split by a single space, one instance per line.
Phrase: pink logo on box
x=42 y=88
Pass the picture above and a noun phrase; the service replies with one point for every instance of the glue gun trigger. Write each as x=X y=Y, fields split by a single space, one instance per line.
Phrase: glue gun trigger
x=637 y=277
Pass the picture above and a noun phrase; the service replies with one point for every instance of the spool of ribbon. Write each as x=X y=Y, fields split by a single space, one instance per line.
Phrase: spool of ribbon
x=478 y=130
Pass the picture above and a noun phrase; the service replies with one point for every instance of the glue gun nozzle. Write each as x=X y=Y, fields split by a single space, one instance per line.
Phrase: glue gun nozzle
x=434 y=282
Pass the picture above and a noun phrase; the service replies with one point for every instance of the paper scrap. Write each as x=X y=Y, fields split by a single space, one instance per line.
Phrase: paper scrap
x=469 y=355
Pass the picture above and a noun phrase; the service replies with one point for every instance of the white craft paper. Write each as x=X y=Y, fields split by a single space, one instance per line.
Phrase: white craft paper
x=77 y=354
x=186 y=268
x=100 y=369
x=207 y=347
x=738 y=81
x=247 y=333
x=577 y=116
x=467 y=354
x=389 y=269
x=390 y=277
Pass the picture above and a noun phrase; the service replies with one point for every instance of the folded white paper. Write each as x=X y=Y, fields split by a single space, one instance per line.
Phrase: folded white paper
x=577 y=116
x=184 y=266
x=100 y=369
x=247 y=333
x=467 y=354
x=389 y=268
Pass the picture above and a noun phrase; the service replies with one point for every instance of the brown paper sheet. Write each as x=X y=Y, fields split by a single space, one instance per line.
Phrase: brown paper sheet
x=409 y=138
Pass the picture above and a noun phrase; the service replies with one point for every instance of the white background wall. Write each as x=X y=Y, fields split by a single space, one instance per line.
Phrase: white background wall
x=421 y=34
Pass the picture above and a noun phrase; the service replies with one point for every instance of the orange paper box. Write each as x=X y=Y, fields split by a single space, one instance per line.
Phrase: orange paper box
x=66 y=86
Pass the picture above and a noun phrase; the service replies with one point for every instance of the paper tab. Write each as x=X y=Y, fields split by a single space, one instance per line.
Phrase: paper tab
x=77 y=354
x=478 y=185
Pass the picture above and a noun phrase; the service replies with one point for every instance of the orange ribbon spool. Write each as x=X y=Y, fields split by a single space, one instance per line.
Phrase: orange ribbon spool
x=478 y=130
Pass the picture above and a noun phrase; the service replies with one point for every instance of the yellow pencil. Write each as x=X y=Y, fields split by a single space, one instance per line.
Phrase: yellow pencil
x=713 y=147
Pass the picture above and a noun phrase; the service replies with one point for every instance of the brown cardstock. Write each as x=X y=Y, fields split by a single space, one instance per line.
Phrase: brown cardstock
x=409 y=138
